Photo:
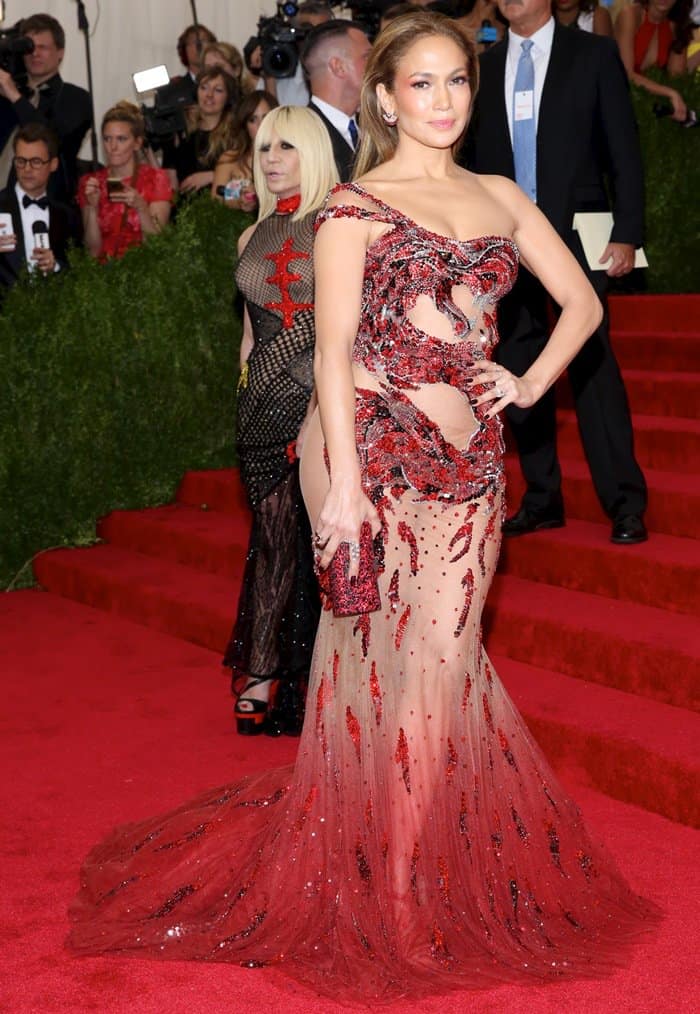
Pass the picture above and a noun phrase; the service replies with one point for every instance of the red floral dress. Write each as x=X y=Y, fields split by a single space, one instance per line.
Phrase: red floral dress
x=120 y=226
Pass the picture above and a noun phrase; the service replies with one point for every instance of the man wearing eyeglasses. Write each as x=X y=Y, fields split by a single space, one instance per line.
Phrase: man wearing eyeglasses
x=35 y=230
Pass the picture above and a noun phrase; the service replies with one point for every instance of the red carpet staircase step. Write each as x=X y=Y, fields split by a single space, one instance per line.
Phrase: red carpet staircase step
x=598 y=644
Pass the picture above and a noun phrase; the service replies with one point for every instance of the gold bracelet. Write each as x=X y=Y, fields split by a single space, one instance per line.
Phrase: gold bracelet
x=243 y=379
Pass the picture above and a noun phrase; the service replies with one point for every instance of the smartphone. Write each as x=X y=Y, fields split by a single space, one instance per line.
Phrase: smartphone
x=114 y=187
x=6 y=228
x=154 y=77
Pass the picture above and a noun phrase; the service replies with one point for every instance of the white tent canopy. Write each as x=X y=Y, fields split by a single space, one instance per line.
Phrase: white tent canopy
x=130 y=35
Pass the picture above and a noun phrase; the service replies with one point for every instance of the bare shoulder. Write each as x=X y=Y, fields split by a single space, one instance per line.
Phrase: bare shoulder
x=245 y=237
x=505 y=195
x=629 y=17
x=500 y=188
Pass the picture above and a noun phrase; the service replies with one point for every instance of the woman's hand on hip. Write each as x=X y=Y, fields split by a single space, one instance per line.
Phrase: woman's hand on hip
x=503 y=388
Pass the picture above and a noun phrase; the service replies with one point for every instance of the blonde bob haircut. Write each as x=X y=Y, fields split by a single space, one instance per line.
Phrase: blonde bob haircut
x=379 y=139
x=305 y=131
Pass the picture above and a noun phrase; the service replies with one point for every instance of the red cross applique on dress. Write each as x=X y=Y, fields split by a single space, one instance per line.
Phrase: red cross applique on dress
x=283 y=278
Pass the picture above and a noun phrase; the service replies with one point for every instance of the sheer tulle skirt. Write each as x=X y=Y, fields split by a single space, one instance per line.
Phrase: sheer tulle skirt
x=420 y=843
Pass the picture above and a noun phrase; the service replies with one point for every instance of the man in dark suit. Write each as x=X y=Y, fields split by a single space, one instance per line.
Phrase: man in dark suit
x=46 y=99
x=554 y=114
x=334 y=57
x=27 y=202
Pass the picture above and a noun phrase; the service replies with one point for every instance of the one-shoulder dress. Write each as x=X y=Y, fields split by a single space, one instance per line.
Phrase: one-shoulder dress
x=421 y=842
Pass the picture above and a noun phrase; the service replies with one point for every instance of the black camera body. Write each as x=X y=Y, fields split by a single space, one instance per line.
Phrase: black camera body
x=14 y=46
x=166 y=117
x=280 y=42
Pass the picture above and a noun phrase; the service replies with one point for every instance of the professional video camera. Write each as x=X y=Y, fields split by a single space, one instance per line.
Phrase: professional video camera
x=279 y=42
x=13 y=46
x=166 y=117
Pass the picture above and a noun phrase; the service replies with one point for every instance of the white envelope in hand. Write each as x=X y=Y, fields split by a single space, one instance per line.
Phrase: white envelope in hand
x=594 y=228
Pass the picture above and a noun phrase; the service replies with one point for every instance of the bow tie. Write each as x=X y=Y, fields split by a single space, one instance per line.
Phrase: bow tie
x=41 y=202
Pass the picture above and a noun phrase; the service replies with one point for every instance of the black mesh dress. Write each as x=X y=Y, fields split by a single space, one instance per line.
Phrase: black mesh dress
x=278 y=607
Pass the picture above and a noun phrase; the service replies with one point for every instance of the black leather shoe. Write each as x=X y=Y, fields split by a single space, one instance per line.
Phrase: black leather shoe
x=529 y=520
x=629 y=530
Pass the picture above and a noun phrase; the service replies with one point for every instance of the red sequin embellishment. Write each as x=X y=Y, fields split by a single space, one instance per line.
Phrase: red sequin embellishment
x=376 y=693
x=467 y=691
x=438 y=947
x=362 y=864
x=401 y=757
x=468 y=585
x=505 y=747
x=401 y=627
x=336 y=667
x=364 y=626
x=393 y=594
x=487 y=712
x=415 y=858
x=464 y=532
x=452 y=759
x=406 y=535
x=353 y=728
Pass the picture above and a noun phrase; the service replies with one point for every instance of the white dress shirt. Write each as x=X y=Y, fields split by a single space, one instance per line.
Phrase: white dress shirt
x=338 y=118
x=540 y=53
x=29 y=216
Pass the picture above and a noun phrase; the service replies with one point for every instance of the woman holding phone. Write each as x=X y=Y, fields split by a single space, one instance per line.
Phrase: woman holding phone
x=129 y=199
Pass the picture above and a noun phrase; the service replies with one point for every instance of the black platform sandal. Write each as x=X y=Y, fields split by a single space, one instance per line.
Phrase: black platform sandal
x=250 y=713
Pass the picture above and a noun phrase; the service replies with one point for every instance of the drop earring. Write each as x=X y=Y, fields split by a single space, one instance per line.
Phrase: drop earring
x=389 y=118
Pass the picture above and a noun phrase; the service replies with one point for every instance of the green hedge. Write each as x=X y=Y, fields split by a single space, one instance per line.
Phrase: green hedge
x=672 y=177
x=116 y=378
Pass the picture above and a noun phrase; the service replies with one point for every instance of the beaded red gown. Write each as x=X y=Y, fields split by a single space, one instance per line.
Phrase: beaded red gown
x=421 y=842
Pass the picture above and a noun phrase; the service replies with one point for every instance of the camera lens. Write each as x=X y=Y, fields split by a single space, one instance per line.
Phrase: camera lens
x=280 y=60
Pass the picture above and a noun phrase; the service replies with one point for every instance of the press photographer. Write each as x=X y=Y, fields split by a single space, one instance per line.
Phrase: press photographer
x=33 y=91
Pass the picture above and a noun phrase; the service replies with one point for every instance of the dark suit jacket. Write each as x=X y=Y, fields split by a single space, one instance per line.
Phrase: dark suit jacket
x=63 y=227
x=586 y=134
x=342 y=152
x=67 y=110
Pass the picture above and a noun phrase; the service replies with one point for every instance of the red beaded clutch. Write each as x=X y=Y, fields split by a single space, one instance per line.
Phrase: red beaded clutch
x=351 y=596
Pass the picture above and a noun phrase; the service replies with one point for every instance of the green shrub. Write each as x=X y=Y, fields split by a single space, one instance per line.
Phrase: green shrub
x=672 y=177
x=116 y=379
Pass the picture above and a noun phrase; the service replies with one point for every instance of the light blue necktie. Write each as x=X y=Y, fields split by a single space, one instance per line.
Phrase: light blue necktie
x=524 y=131
x=353 y=132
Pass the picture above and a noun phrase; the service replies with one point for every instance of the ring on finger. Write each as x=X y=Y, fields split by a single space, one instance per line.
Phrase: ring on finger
x=354 y=548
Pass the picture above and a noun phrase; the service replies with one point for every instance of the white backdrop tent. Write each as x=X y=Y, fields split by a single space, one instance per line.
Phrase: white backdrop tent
x=130 y=35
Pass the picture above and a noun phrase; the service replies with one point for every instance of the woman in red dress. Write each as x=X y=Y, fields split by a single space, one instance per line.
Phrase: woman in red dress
x=129 y=199
x=422 y=842
x=655 y=33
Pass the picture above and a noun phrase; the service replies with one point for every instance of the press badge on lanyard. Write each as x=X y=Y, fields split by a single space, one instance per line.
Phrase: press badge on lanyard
x=524 y=107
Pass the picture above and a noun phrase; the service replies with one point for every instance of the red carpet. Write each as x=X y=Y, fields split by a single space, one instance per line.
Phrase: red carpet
x=108 y=720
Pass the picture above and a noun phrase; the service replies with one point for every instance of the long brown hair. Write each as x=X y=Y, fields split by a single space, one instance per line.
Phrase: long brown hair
x=379 y=139
x=242 y=147
x=221 y=137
